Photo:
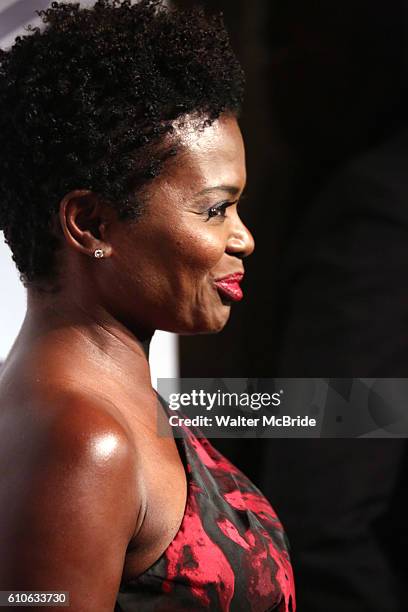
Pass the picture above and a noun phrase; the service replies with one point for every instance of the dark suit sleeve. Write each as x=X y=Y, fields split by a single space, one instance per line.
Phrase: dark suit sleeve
x=346 y=280
x=346 y=289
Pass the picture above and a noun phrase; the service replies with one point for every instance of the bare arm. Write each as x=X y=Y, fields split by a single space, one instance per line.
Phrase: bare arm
x=73 y=506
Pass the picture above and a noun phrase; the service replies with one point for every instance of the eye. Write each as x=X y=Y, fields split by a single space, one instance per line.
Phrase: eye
x=218 y=210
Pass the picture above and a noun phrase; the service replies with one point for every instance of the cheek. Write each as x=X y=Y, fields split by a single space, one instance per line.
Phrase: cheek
x=199 y=251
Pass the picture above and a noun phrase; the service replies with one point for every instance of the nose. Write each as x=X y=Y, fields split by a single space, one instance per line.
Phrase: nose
x=240 y=241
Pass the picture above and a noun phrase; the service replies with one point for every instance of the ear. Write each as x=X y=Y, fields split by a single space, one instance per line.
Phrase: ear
x=84 y=219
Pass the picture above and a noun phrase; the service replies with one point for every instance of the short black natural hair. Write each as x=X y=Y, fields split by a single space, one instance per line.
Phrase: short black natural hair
x=84 y=99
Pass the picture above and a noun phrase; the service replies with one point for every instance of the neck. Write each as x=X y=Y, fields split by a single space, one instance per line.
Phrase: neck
x=91 y=331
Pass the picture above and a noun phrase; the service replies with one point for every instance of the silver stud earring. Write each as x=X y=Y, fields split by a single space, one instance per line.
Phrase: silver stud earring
x=98 y=253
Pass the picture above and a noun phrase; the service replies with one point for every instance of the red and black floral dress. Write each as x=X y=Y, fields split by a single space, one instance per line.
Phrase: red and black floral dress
x=230 y=553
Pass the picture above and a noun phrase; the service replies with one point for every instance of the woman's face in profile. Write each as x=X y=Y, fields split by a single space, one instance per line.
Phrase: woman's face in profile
x=165 y=266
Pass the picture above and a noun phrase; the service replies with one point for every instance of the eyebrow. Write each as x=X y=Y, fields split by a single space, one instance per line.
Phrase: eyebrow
x=231 y=189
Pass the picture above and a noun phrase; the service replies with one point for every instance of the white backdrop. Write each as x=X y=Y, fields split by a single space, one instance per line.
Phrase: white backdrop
x=14 y=15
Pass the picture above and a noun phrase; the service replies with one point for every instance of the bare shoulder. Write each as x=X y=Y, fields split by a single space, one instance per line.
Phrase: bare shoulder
x=58 y=426
x=71 y=500
x=85 y=426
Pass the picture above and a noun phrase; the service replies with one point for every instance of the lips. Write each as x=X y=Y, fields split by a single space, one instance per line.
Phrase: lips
x=228 y=286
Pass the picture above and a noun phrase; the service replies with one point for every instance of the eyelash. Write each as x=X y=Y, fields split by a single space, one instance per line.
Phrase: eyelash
x=219 y=208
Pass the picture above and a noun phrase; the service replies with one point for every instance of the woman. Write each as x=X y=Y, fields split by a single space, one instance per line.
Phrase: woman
x=122 y=164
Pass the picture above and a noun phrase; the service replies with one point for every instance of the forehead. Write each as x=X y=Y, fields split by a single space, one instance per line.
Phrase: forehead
x=211 y=156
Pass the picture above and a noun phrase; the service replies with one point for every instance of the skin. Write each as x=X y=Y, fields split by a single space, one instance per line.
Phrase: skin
x=81 y=508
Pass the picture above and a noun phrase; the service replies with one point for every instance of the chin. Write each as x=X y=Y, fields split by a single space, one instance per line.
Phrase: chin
x=213 y=326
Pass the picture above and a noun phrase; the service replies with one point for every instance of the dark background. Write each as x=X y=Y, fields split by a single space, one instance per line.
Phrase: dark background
x=326 y=84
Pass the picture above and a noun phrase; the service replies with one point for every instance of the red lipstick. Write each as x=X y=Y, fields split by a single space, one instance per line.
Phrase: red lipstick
x=228 y=286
